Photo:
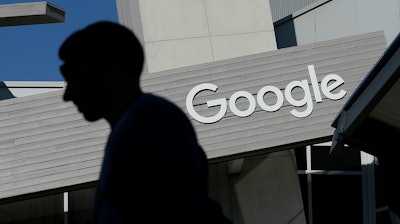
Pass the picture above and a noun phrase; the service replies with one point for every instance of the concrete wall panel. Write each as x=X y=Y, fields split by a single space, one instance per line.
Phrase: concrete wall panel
x=332 y=17
x=342 y=18
x=267 y=189
x=235 y=16
x=229 y=46
x=171 y=54
x=174 y=19
x=165 y=27
x=259 y=189
x=380 y=15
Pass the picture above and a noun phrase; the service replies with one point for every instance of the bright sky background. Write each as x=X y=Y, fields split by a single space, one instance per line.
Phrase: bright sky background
x=29 y=53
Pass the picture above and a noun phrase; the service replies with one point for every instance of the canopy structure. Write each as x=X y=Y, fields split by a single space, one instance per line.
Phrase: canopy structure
x=370 y=120
x=30 y=13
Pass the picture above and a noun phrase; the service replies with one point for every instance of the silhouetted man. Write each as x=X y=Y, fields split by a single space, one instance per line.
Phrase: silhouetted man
x=154 y=170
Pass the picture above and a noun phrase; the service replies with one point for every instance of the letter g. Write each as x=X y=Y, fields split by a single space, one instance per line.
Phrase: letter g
x=211 y=103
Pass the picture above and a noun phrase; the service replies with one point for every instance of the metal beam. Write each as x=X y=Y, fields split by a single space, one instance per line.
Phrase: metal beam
x=30 y=13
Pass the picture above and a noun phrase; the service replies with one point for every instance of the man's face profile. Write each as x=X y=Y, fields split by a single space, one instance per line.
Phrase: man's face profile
x=84 y=88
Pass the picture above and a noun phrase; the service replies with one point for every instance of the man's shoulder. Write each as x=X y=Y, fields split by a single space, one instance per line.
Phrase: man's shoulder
x=154 y=110
x=152 y=106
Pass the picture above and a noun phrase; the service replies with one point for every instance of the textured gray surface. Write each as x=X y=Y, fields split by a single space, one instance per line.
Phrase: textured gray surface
x=45 y=144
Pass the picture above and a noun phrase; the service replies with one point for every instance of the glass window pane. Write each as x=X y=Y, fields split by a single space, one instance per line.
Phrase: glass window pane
x=42 y=210
x=301 y=158
x=81 y=206
x=337 y=199
x=349 y=159
x=383 y=217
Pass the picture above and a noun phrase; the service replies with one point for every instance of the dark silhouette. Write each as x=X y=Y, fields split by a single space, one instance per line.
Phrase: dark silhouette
x=154 y=170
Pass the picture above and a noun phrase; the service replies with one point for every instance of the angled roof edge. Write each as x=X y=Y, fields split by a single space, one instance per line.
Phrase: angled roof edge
x=372 y=89
x=370 y=77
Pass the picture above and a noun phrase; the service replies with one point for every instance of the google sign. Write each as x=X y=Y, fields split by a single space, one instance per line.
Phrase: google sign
x=328 y=84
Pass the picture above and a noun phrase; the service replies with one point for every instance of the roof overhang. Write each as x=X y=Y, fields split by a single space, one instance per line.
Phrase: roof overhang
x=30 y=13
x=370 y=119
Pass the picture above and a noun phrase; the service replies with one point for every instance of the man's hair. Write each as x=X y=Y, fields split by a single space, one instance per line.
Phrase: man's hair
x=108 y=41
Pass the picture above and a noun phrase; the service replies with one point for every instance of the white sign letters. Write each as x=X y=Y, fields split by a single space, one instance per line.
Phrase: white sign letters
x=328 y=84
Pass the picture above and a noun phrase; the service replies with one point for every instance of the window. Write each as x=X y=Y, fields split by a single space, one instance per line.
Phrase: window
x=41 y=210
x=331 y=185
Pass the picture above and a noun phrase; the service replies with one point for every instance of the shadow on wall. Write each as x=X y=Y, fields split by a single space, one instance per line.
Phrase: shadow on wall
x=5 y=93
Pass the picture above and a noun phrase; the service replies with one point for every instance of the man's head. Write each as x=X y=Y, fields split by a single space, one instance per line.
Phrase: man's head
x=96 y=60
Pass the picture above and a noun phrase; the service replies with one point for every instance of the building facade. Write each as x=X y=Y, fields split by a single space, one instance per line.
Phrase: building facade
x=277 y=77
